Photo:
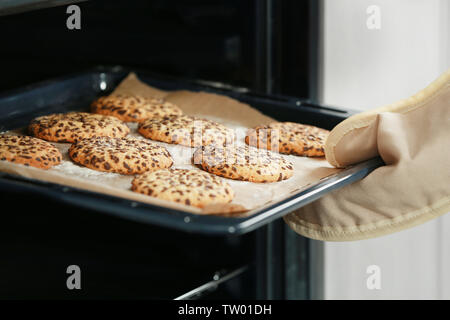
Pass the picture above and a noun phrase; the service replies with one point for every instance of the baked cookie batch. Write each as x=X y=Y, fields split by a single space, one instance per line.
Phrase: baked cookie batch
x=99 y=141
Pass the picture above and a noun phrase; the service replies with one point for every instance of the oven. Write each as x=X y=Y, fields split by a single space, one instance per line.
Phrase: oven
x=264 y=52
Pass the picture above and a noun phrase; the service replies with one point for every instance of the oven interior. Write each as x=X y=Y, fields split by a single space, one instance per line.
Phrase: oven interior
x=264 y=46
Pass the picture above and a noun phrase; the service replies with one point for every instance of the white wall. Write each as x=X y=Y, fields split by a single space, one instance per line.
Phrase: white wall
x=362 y=69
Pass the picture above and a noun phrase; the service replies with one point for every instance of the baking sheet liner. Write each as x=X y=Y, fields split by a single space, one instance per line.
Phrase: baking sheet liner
x=239 y=116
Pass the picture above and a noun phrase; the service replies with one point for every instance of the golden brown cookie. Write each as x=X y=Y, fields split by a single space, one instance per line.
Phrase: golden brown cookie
x=289 y=138
x=186 y=130
x=120 y=155
x=73 y=126
x=134 y=108
x=29 y=151
x=243 y=163
x=190 y=187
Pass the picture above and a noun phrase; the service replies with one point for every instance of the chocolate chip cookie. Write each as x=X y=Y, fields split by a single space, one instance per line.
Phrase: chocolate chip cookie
x=73 y=126
x=186 y=130
x=289 y=138
x=120 y=155
x=243 y=163
x=134 y=108
x=189 y=187
x=29 y=151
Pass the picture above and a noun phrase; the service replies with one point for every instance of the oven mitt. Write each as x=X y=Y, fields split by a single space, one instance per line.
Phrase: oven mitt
x=412 y=137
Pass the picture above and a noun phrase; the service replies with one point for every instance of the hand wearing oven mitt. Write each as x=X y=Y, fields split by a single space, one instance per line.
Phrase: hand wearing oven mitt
x=412 y=136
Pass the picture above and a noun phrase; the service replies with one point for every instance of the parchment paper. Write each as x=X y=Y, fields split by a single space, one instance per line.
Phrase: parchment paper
x=234 y=114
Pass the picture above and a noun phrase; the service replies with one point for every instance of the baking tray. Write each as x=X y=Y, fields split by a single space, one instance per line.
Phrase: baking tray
x=76 y=92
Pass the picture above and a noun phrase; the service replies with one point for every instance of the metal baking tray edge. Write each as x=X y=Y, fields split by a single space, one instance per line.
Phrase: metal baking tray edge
x=103 y=79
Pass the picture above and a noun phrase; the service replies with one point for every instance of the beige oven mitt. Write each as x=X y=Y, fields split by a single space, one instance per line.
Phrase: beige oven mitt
x=412 y=136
